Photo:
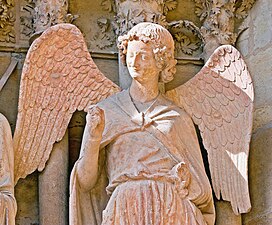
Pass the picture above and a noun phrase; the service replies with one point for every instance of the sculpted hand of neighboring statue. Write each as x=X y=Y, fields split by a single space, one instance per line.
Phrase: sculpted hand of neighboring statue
x=95 y=122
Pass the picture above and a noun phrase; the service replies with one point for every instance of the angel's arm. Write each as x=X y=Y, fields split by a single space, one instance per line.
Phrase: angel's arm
x=188 y=132
x=87 y=167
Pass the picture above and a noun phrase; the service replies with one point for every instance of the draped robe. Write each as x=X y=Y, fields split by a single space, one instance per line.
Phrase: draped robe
x=8 y=205
x=150 y=166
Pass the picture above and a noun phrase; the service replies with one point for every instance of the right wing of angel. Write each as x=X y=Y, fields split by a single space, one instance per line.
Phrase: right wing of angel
x=58 y=77
x=220 y=101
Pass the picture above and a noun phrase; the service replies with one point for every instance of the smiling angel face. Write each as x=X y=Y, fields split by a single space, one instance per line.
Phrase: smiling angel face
x=141 y=61
x=148 y=49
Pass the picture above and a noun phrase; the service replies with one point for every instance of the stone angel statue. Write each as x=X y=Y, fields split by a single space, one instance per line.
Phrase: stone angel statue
x=8 y=206
x=140 y=160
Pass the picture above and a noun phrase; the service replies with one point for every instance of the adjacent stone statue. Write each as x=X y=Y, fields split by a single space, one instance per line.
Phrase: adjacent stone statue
x=8 y=205
x=143 y=149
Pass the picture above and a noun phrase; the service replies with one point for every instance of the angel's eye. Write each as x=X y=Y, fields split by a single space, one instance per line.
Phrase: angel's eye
x=130 y=55
x=144 y=57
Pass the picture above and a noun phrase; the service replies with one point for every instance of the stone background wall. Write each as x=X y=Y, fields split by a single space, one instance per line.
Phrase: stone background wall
x=255 y=44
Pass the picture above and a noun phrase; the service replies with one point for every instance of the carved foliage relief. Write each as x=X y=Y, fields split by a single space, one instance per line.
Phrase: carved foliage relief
x=7 y=19
x=38 y=15
x=187 y=37
x=128 y=13
x=51 y=13
x=27 y=17
x=220 y=18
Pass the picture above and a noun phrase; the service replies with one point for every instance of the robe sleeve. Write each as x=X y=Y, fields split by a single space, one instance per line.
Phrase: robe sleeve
x=200 y=189
x=86 y=207
x=8 y=206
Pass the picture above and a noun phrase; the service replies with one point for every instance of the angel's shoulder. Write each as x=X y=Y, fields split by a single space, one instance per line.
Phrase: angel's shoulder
x=174 y=106
x=109 y=104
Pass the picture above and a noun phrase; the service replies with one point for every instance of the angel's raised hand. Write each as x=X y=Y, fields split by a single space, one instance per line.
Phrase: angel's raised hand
x=95 y=122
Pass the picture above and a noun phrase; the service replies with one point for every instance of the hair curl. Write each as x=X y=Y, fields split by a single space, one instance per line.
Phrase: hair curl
x=163 y=47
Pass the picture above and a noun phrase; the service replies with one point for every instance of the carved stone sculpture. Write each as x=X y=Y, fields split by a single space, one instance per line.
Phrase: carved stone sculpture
x=142 y=150
x=7 y=21
x=154 y=171
x=8 y=205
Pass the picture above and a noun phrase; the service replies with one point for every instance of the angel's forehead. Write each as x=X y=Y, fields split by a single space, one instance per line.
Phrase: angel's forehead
x=139 y=46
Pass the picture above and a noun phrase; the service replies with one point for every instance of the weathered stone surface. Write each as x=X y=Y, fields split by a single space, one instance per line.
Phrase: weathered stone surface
x=53 y=186
x=256 y=45
x=26 y=193
x=9 y=93
x=225 y=215
x=260 y=183
x=262 y=22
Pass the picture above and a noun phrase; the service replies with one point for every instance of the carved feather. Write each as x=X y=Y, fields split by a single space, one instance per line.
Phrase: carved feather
x=220 y=101
x=58 y=77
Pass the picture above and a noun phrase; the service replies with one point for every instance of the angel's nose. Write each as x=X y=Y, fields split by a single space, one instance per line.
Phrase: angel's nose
x=135 y=60
x=132 y=60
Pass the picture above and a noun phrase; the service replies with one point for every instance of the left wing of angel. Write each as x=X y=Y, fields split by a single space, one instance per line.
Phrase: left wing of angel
x=58 y=77
x=220 y=101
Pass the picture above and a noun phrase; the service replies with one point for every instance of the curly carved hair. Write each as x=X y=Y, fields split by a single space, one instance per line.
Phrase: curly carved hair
x=162 y=42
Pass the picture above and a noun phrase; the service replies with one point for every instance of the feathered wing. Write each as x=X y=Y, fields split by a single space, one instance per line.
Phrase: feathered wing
x=58 y=77
x=220 y=101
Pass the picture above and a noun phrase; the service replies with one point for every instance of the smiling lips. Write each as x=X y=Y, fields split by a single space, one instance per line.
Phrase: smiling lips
x=135 y=69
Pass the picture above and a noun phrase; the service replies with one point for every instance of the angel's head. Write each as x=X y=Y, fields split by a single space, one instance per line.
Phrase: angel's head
x=155 y=49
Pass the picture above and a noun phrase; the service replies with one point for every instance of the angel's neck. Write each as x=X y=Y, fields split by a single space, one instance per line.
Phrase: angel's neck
x=143 y=92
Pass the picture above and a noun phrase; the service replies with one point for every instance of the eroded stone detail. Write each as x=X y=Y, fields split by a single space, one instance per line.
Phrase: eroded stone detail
x=49 y=13
x=220 y=21
x=38 y=15
x=183 y=41
x=105 y=37
x=7 y=19
x=129 y=13
x=27 y=18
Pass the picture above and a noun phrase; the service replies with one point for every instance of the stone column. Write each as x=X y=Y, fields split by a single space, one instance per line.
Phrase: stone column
x=256 y=46
x=53 y=186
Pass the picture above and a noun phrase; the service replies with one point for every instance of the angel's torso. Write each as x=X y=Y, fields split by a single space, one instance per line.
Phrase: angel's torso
x=150 y=142
x=136 y=155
